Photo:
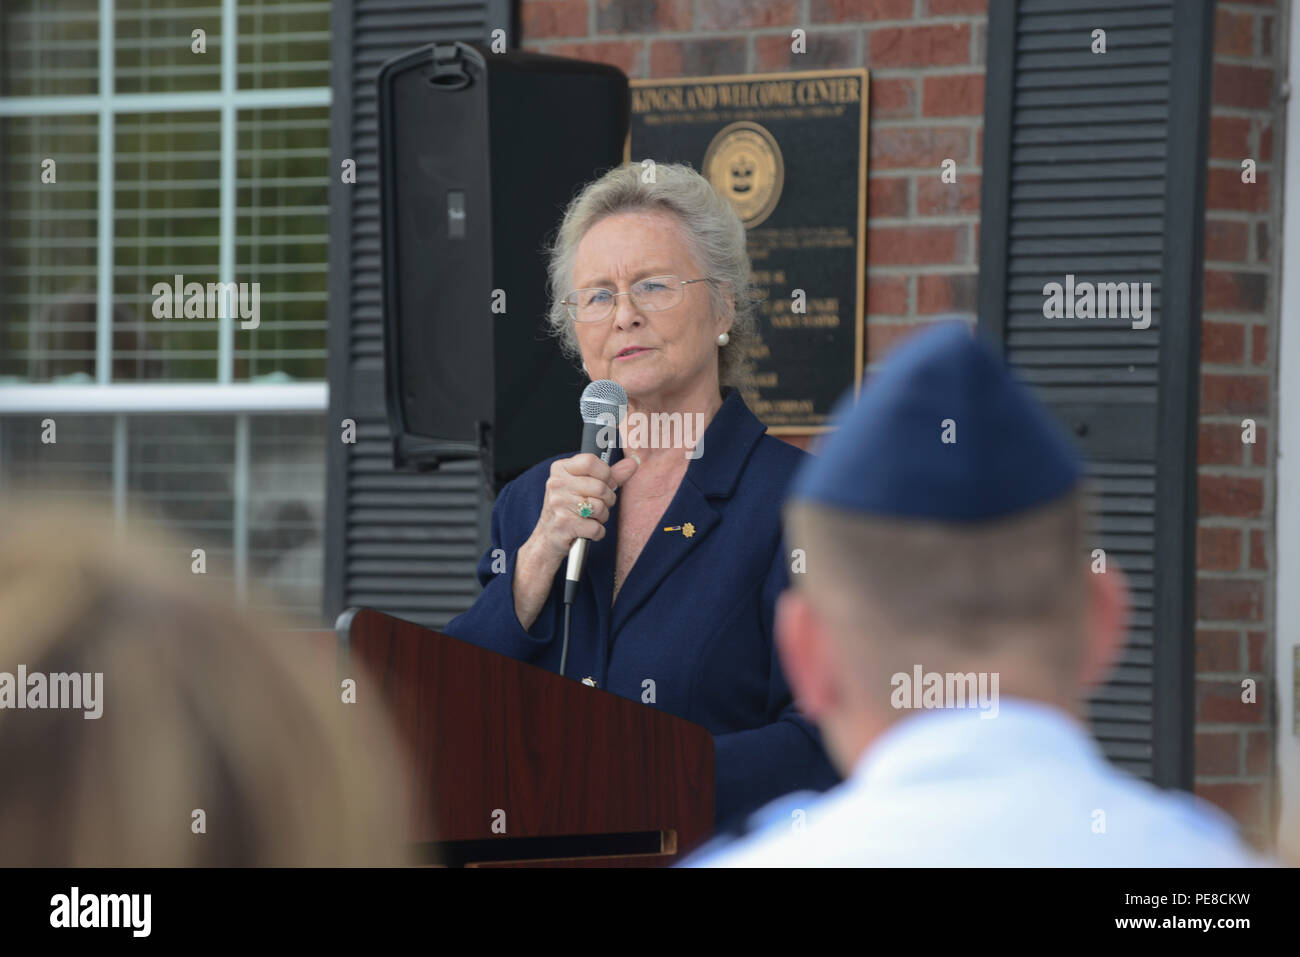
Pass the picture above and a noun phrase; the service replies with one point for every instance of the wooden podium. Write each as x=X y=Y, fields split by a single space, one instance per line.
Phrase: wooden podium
x=512 y=765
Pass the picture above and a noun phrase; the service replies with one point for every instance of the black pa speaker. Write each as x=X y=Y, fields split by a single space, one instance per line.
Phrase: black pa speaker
x=479 y=153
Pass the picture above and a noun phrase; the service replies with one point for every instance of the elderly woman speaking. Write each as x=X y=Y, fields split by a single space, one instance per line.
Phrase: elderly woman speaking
x=650 y=286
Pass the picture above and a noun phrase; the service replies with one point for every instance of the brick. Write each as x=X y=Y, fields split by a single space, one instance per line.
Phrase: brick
x=1265 y=143
x=1258 y=549
x=1234 y=33
x=741 y=14
x=710 y=56
x=857 y=11
x=1223 y=342
x=1221 y=701
x=641 y=16
x=1246 y=87
x=882 y=337
x=937 y=198
x=1229 y=137
x=1227 y=291
x=1256 y=651
x=944 y=44
x=1218 y=753
x=1218 y=549
x=1230 y=394
x=912 y=147
x=624 y=54
x=1218 y=444
x=1225 y=190
x=1263 y=244
x=944 y=8
x=1266 y=26
x=1259 y=451
x=914 y=245
x=946 y=293
x=823 y=51
x=1226 y=241
x=553 y=18
x=886 y=296
x=1244 y=802
x=892 y=99
x=953 y=95
x=1217 y=650
x=1229 y=599
x=887 y=197
x=1259 y=345
x=1259 y=752
x=1230 y=495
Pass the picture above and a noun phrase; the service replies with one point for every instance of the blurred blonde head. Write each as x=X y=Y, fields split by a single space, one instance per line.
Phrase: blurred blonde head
x=204 y=708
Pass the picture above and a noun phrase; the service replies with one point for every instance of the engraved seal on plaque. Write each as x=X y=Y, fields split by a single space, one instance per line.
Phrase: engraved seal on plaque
x=745 y=165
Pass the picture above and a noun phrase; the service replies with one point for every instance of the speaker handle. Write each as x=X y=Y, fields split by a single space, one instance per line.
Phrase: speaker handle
x=449 y=73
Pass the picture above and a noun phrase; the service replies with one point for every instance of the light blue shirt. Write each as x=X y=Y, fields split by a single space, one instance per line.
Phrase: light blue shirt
x=1027 y=788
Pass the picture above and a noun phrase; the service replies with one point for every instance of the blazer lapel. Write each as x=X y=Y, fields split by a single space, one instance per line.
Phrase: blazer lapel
x=600 y=573
x=669 y=543
x=728 y=442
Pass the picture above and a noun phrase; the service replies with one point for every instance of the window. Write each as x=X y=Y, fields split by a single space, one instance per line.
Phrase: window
x=147 y=146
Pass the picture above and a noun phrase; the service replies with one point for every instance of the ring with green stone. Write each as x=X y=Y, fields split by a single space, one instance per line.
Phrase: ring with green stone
x=585 y=509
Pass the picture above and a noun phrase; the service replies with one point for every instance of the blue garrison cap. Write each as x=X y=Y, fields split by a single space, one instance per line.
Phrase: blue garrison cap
x=943 y=432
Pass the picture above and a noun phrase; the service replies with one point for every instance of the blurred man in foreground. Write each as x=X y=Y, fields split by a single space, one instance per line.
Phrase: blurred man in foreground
x=944 y=636
x=146 y=722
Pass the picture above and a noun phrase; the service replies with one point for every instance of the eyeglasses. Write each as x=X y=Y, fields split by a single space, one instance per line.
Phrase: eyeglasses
x=648 y=295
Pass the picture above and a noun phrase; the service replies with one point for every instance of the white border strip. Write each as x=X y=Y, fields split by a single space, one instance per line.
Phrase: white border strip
x=1287 y=614
x=161 y=102
x=107 y=184
x=226 y=256
x=164 y=398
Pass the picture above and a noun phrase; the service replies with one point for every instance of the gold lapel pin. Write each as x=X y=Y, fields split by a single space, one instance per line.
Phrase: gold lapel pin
x=688 y=529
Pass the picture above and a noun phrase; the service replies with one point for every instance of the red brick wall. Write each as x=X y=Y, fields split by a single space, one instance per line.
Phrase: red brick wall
x=926 y=59
x=1235 y=539
x=926 y=105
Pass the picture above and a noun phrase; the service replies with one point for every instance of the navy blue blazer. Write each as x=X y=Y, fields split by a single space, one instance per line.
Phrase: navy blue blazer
x=694 y=616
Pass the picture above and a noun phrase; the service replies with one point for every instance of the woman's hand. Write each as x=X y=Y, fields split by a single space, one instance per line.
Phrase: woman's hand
x=573 y=481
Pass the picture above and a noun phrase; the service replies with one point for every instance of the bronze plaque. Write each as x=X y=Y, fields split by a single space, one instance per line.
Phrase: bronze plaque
x=789 y=151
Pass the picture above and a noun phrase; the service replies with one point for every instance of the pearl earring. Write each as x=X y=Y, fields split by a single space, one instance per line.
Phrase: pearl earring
x=724 y=338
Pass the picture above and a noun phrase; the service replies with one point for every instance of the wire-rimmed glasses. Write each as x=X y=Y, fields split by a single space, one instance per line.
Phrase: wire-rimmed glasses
x=594 y=303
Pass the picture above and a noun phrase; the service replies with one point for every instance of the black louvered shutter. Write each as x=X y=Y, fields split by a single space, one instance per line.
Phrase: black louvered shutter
x=1094 y=166
x=403 y=542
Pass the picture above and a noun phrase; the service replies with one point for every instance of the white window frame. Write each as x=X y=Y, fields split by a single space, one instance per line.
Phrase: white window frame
x=107 y=104
x=224 y=396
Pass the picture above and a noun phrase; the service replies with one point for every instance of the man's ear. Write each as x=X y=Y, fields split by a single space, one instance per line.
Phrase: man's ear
x=1107 y=623
x=807 y=656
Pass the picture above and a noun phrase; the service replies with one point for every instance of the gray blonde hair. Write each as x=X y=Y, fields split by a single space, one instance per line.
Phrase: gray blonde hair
x=713 y=230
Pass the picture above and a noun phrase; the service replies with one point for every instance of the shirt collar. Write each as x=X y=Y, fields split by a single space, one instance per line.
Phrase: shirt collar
x=953 y=741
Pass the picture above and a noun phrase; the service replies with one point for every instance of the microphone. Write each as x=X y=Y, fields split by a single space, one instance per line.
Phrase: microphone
x=600 y=405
